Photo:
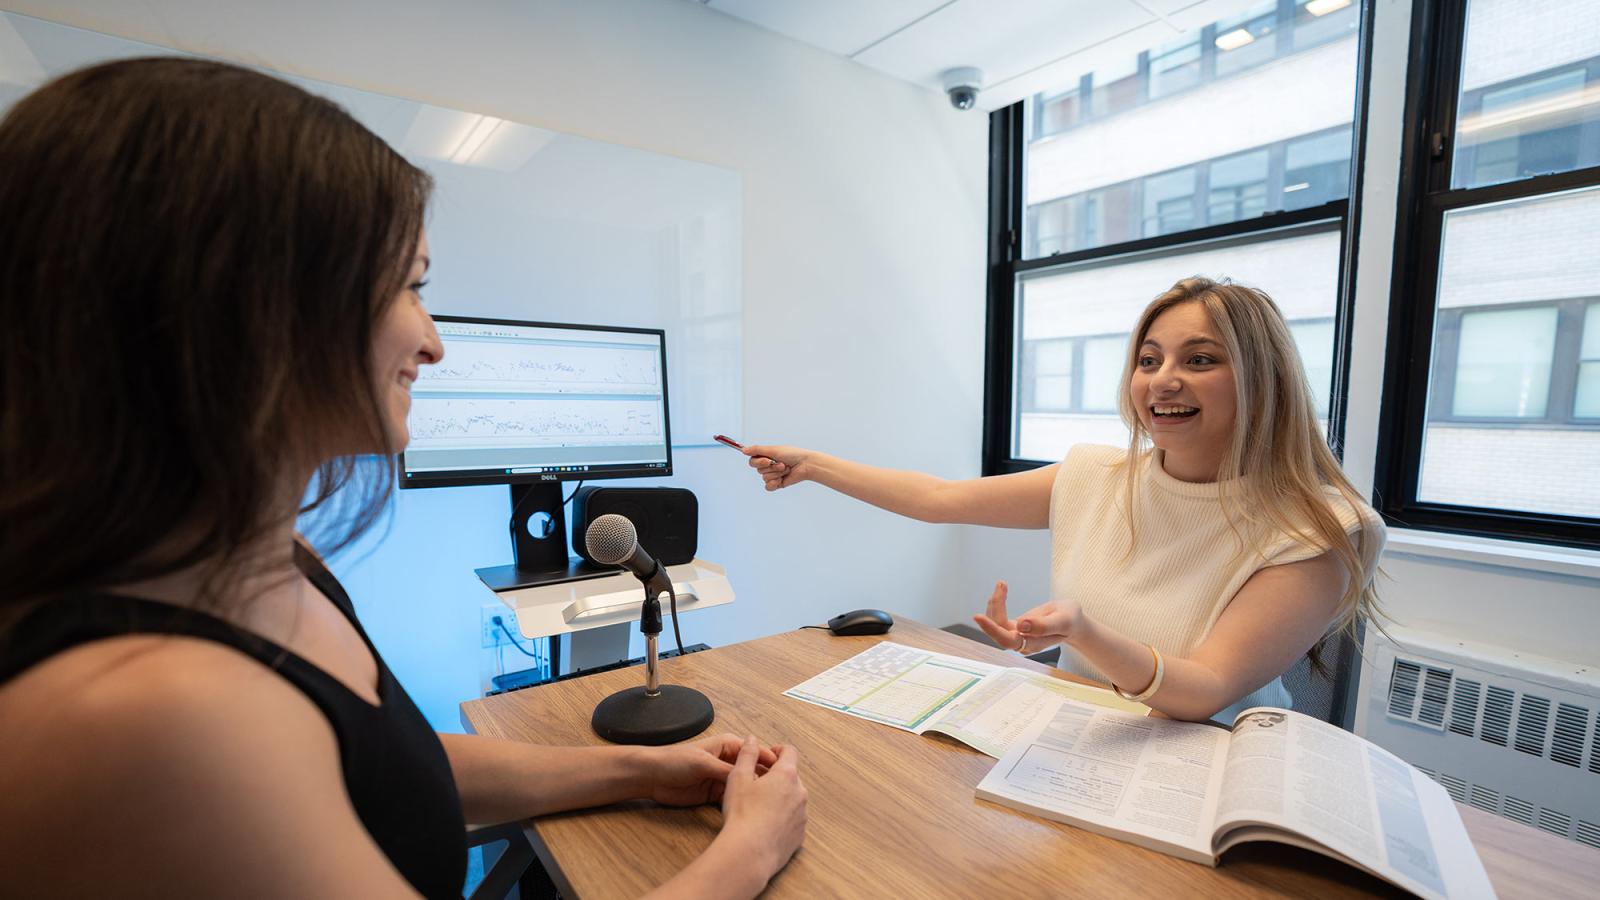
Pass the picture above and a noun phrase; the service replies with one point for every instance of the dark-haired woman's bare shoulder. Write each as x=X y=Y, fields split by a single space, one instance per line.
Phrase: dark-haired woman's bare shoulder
x=172 y=766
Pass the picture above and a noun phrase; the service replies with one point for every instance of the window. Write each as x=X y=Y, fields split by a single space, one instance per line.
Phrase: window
x=1169 y=202
x=1320 y=21
x=1052 y=374
x=1316 y=169
x=1531 y=127
x=1090 y=307
x=1175 y=67
x=1239 y=187
x=1586 y=405
x=1115 y=88
x=1094 y=218
x=1314 y=339
x=1247 y=40
x=1502 y=365
x=1491 y=418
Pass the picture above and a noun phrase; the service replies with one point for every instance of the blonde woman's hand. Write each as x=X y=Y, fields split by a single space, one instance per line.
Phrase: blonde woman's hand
x=779 y=466
x=1043 y=626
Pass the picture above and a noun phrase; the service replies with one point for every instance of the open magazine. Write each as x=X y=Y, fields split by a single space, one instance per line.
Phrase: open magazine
x=1194 y=790
x=984 y=706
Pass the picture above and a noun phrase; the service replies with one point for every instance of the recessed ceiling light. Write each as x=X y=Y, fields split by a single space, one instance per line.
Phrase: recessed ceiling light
x=1235 y=39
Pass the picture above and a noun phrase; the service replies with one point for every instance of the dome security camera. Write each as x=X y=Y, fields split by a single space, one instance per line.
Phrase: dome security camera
x=962 y=85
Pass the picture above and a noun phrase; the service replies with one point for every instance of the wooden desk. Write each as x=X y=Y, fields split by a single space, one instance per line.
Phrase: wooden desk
x=893 y=814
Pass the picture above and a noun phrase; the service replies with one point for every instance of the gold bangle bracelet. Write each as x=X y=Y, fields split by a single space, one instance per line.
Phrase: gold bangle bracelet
x=1155 y=680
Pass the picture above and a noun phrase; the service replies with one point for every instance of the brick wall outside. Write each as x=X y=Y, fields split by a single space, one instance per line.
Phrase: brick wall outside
x=1531 y=469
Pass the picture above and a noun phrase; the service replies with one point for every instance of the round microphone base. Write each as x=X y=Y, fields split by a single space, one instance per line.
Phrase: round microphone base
x=631 y=716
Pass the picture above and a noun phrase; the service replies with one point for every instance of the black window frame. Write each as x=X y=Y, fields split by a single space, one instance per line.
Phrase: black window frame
x=1007 y=260
x=1438 y=31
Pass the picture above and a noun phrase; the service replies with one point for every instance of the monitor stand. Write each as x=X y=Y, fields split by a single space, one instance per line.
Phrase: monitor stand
x=539 y=543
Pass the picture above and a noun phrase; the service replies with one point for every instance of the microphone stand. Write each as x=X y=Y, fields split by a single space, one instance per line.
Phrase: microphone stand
x=656 y=713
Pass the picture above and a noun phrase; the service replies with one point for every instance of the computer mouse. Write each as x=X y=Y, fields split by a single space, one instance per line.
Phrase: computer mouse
x=861 y=621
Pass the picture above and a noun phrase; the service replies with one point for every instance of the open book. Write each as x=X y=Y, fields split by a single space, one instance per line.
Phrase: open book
x=984 y=706
x=1194 y=790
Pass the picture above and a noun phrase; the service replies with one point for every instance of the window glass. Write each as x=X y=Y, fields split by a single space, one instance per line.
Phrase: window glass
x=1238 y=188
x=1316 y=169
x=1128 y=141
x=1314 y=339
x=1169 y=202
x=1059 y=113
x=1096 y=305
x=1529 y=91
x=1503 y=363
x=1109 y=216
x=1052 y=382
x=1247 y=40
x=1102 y=372
x=1175 y=67
x=1115 y=88
x=1508 y=381
x=1054 y=226
x=1587 y=403
x=1320 y=21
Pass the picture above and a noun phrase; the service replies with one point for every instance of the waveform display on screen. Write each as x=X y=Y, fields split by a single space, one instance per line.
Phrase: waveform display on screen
x=544 y=367
x=473 y=422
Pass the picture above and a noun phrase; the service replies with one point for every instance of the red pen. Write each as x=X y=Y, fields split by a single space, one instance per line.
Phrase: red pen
x=724 y=439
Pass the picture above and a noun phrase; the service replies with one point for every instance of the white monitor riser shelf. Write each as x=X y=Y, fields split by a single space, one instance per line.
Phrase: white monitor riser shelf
x=599 y=612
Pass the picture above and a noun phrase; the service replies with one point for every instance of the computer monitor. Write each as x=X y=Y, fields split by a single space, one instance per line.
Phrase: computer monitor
x=532 y=405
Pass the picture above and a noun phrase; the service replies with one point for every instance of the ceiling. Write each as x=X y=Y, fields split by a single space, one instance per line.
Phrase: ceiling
x=1022 y=46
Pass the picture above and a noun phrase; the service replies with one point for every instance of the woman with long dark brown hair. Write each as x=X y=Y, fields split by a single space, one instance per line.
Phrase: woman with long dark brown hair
x=210 y=296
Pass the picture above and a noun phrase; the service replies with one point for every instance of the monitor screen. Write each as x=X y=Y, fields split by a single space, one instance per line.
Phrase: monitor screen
x=520 y=402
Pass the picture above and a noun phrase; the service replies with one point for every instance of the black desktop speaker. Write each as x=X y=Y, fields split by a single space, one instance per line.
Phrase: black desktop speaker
x=667 y=519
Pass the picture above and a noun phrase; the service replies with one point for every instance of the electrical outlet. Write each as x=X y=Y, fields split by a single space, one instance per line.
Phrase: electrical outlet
x=492 y=635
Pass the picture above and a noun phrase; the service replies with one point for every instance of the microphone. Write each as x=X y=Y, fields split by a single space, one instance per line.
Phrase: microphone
x=656 y=713
x=614 y=541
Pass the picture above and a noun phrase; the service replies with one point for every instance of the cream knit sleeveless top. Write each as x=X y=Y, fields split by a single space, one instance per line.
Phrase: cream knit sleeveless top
x=1188 y=563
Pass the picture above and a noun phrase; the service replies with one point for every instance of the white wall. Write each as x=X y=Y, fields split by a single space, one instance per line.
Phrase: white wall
x=863 y=280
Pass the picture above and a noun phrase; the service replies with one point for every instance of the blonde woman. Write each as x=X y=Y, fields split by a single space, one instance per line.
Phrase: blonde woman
x=1192 y=568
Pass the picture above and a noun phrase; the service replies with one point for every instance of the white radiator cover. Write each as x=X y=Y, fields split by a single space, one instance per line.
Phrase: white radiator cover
x=1510 y=733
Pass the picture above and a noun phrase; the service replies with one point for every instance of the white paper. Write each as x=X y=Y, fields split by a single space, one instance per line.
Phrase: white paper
x=984 y=706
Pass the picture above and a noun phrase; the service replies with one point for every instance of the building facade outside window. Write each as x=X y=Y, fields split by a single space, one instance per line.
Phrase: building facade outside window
x=1228 y=127
x=1492 y=411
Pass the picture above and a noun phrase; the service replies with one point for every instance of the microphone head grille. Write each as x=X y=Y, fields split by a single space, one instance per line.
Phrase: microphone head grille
x=610 y=538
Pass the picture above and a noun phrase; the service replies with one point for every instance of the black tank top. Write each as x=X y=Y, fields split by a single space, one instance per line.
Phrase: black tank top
x=395 y=769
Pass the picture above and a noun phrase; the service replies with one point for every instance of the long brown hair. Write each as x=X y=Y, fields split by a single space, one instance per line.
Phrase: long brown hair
x=192 y=259
x=1276 y=441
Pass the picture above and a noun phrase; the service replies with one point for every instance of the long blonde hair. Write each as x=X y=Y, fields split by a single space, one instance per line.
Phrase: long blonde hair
x=1275 y=441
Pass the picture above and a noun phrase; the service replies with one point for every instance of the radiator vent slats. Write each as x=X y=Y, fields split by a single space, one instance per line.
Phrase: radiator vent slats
x=1594 y=745
x=1520 y=810
x=1533 y=719
x=1464 y=708
x=1486 y=799
x=1403 y=689
x=1435 y=690
x=1566 y=742
x=1496 y=715
x=1500 y=732
x=1555 y=822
